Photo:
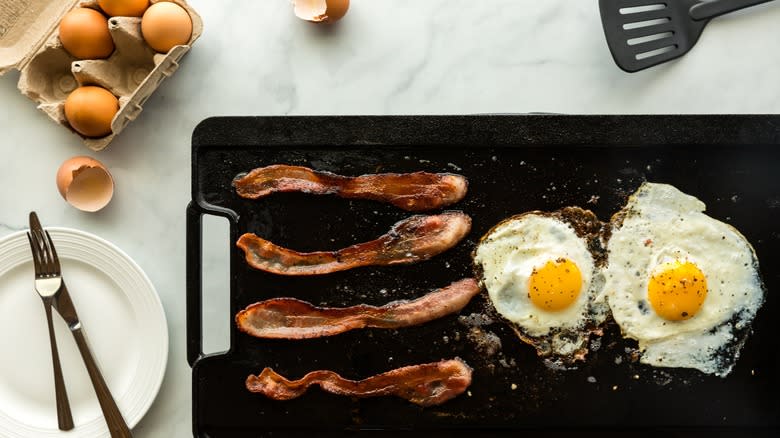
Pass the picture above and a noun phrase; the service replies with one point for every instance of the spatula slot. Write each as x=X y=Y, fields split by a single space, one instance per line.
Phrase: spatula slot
x=645 y=8
x=656 y=52
x=640 y=17
x=649 y=38
x=649 y=30
x=647 y=23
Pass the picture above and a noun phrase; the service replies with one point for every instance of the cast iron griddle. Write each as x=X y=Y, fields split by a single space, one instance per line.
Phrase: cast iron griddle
x=514 y=164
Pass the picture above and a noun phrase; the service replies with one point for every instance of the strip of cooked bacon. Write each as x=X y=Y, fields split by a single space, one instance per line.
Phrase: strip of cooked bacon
x=412 y=240
x=426 y=385
x=419 y=191
x=288 y=318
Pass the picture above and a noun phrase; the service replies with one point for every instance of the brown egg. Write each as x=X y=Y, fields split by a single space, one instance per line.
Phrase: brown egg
x=124 y=8
x=321 y=11
x=90 y=110
x=84 y=34
x=85 y=183
x=165 y=25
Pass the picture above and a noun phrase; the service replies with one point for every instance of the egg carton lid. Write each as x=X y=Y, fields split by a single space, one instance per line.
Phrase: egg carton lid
x=25 y=25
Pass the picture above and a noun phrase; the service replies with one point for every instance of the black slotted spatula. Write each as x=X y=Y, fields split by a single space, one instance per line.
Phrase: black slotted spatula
x=645 y=33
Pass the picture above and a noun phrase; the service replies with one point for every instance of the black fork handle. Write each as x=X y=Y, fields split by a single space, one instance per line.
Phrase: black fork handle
x=716 y=8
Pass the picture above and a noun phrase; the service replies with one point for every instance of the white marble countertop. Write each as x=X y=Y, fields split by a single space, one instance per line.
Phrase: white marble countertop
x=385 y=57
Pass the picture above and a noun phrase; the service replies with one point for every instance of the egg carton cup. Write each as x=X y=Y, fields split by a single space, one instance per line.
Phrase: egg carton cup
x=30 y=43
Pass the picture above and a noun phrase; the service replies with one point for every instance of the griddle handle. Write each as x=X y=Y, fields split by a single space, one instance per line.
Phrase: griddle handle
x=194 y=283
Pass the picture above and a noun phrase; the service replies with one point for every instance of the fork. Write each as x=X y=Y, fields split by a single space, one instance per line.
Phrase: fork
x=62 y=302
x=48 y=284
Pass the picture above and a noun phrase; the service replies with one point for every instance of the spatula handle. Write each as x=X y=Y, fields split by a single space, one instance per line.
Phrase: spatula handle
x=711 y=9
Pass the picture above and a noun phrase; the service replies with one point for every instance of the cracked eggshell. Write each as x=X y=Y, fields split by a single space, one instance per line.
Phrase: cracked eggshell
x=321 y=11
x=85 y=183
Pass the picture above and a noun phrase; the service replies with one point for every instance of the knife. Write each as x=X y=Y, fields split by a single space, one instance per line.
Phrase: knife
x=64 y=306
x=116 y=423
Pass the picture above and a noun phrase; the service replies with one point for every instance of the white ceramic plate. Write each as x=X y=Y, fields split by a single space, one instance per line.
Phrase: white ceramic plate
x=124 y=322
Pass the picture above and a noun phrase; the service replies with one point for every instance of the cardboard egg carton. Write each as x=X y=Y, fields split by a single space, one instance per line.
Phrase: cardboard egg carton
x=29 y=42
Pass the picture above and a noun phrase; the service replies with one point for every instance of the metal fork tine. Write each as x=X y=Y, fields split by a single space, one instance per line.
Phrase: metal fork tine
x=45 y=265
x=54 y=259
x=47 y=251
x=37 y=236
x=35 y=254
x=41 y=253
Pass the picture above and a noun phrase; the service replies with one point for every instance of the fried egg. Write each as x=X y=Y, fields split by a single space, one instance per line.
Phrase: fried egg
x=684 y=285
x=543 y=273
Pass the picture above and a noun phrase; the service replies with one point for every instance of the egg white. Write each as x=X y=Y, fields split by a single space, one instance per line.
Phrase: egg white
x=661 y=224
x=507 y=257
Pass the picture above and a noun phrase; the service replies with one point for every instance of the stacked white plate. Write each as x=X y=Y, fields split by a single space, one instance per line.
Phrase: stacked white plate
x=124 y=321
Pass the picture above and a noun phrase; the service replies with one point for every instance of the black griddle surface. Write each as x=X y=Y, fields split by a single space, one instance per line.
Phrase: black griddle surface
x=514 y=164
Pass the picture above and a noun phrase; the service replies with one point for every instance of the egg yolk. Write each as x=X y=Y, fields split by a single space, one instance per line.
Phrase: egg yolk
x=677 y=290
x=556 y=285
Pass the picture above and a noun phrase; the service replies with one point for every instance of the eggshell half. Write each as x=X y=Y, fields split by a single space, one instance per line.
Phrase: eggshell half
x=85 y=183
x=321 y=11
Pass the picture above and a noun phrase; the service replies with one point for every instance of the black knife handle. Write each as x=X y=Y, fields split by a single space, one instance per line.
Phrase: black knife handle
x=712 y=9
